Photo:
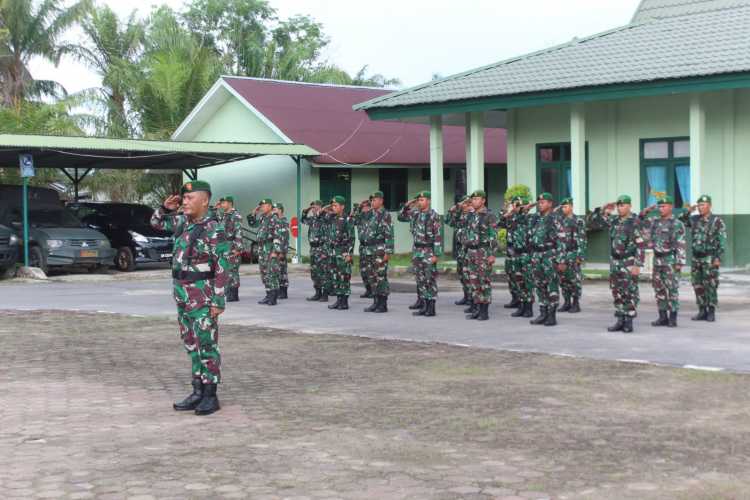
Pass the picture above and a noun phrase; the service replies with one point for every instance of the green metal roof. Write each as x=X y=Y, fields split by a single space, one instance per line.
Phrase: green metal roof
x=104 y=153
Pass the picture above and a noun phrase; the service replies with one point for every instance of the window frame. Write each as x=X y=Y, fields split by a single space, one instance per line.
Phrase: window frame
x=396 y=204
x=670 y=162
x=561 y=164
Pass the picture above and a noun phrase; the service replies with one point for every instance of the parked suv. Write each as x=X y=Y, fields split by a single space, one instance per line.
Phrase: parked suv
x=128 y=227
x=56 y=236
x=8 y=249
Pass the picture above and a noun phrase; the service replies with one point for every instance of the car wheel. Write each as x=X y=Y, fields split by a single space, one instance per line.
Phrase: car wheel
x=124 y=260
x=37 y=259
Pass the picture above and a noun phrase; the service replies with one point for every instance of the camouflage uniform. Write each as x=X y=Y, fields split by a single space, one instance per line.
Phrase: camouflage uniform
x=269 y=241
x=360 y=217
x=456 y=218
x=232 y=221
x=480 y=243
x=317 y=236
x=426 y=229
x=547 y=252
x=376 y=241
x=284 y=236
x=200 y=268
x=627 y=249
x=341 y=237
x=573 y=236
x=666 y=236
x=708 y=242
x=518 y=257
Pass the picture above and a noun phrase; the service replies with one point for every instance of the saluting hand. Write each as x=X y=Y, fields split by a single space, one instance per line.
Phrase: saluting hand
x=215 y=312
x=717 y=263
x=635 y=271
x=173 y=202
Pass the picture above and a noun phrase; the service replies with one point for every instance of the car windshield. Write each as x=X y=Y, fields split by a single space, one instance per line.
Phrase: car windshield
x=53 y=217
x=128 y=215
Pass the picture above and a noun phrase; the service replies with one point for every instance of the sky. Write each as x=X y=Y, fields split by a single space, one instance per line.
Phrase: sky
x=414 y=39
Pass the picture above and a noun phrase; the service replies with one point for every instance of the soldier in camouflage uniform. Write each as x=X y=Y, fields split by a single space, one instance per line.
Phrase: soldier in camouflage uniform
x=359 y=214
x=376 y=246
x=232 y=221
x=427 y=231
x=667 y=237
x=269 y=248
x=708 y=241
x=480 y=245
x=518 y=259
x=341 y=237
x=200 y=271
x=317 y=235
x=547 y=252
x=456 y=218
x=284 y=236
x=627 y=254
x=575 y=244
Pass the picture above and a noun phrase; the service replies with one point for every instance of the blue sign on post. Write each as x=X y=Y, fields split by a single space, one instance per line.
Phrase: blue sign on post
x=27 y=165
x=27 y=170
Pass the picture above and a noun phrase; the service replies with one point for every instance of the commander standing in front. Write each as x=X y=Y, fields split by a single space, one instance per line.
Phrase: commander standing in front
x=200 y=266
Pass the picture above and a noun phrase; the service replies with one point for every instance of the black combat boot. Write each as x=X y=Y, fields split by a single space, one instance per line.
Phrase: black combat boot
x=344 y=303
x=662 y=321
x=315 y=297
x=229 y=295
x=430 y=309
x=368 y=293
x=672 y=319
x=472 y=307
x=382 y=305
x=518 y=313
x=273 y=297
x=619 y=325
x=190 y=402
x=464 y=300
x=266 y=298
x=419 y=304
x=375 y=302
x=539 y=320
x=529 y=311
x=422 y=309
x=323 y=295
x=337 y=304
x=711 y=314
x=210 y=402
x=236 y=294
x=575 y=307
x=283 y=293
x=627 y=326
x=701 y=316
x=514 y=302
x=475 y=313
x=551 y=319
x=566 y=306
x=484 y=312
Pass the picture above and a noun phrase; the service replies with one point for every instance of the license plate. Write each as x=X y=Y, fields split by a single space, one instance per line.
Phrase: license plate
x=89 y=253
x=166 y=256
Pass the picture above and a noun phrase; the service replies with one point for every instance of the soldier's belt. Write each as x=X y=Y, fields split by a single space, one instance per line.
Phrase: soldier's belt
x=372 y=243
x=543 y=248
x=316 y=244
x=701 y=255
x=192 y=275
x=516 y=252
x=622 y=256
x=423 y=245
x=663 y=254
x=474 y=246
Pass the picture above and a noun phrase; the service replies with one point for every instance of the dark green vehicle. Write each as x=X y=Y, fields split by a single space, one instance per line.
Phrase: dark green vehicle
x=57 y=238
x=8 y=249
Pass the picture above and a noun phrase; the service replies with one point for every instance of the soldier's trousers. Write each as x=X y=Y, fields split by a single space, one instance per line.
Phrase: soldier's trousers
x=461 y=272
x=200 y=335
x=624 y=287
x=283 y=271
x=705 y=279
x=269 y=271
x=546 y=279
x=376 y=274
x=666 y=283
x=512 y=284
x=480 y=274
x=234 y=271
x=318 y=267
x=365 y=263
x=522 y=277
x=570 y=281
x=341 y=272
x=426 y=272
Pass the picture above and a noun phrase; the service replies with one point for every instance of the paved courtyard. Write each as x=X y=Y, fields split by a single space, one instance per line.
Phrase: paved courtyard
x=86 y=405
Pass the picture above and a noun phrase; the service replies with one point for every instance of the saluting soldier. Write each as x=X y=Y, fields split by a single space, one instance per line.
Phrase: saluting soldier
x=515 y=220
x=200 y=272
x=627 y=254
x=456 y=218
x=544 y=230
x=360 y=213
x=377 y=246
x=426 y=229
x=232 y=220
x=284 y=236
x=317 y=235
x=269 y=248
x=481 y=246
x=666 y=236
x=574 y=240
x=341 y=237
x=708 y=241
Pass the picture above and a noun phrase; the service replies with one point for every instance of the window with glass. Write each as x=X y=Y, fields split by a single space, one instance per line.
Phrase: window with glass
x=553 y=170
x=393 y=184
x=665 y=170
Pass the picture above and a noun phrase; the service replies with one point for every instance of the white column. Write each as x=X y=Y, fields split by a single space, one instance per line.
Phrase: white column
x=578 y=156
x=436 y=164
x=697 y=145
x=475 y=157
x=511 y=162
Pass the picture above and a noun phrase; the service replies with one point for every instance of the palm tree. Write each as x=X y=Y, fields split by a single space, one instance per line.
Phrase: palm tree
x=34 y=30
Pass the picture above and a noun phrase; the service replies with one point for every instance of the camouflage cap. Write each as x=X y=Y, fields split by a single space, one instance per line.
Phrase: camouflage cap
x=545 y=196
x=665 y=200
x=464 y=198
x=567 y=201
x=316 y=202
x=196 y=186
x=424 y=194
x=704 y=199
x=479 y=193
x=278 y=205
x=516 y=198
x=338 y=199
x=230 y=199
x=624 y=200
x=377 y=194
x=266 y=201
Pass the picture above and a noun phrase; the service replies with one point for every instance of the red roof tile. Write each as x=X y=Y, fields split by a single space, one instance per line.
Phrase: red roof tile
x=321 y=117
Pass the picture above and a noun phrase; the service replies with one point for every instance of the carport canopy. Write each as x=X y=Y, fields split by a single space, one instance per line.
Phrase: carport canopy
x=76 y=157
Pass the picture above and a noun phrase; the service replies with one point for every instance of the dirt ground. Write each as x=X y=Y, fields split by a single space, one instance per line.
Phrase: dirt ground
x=86 y=413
